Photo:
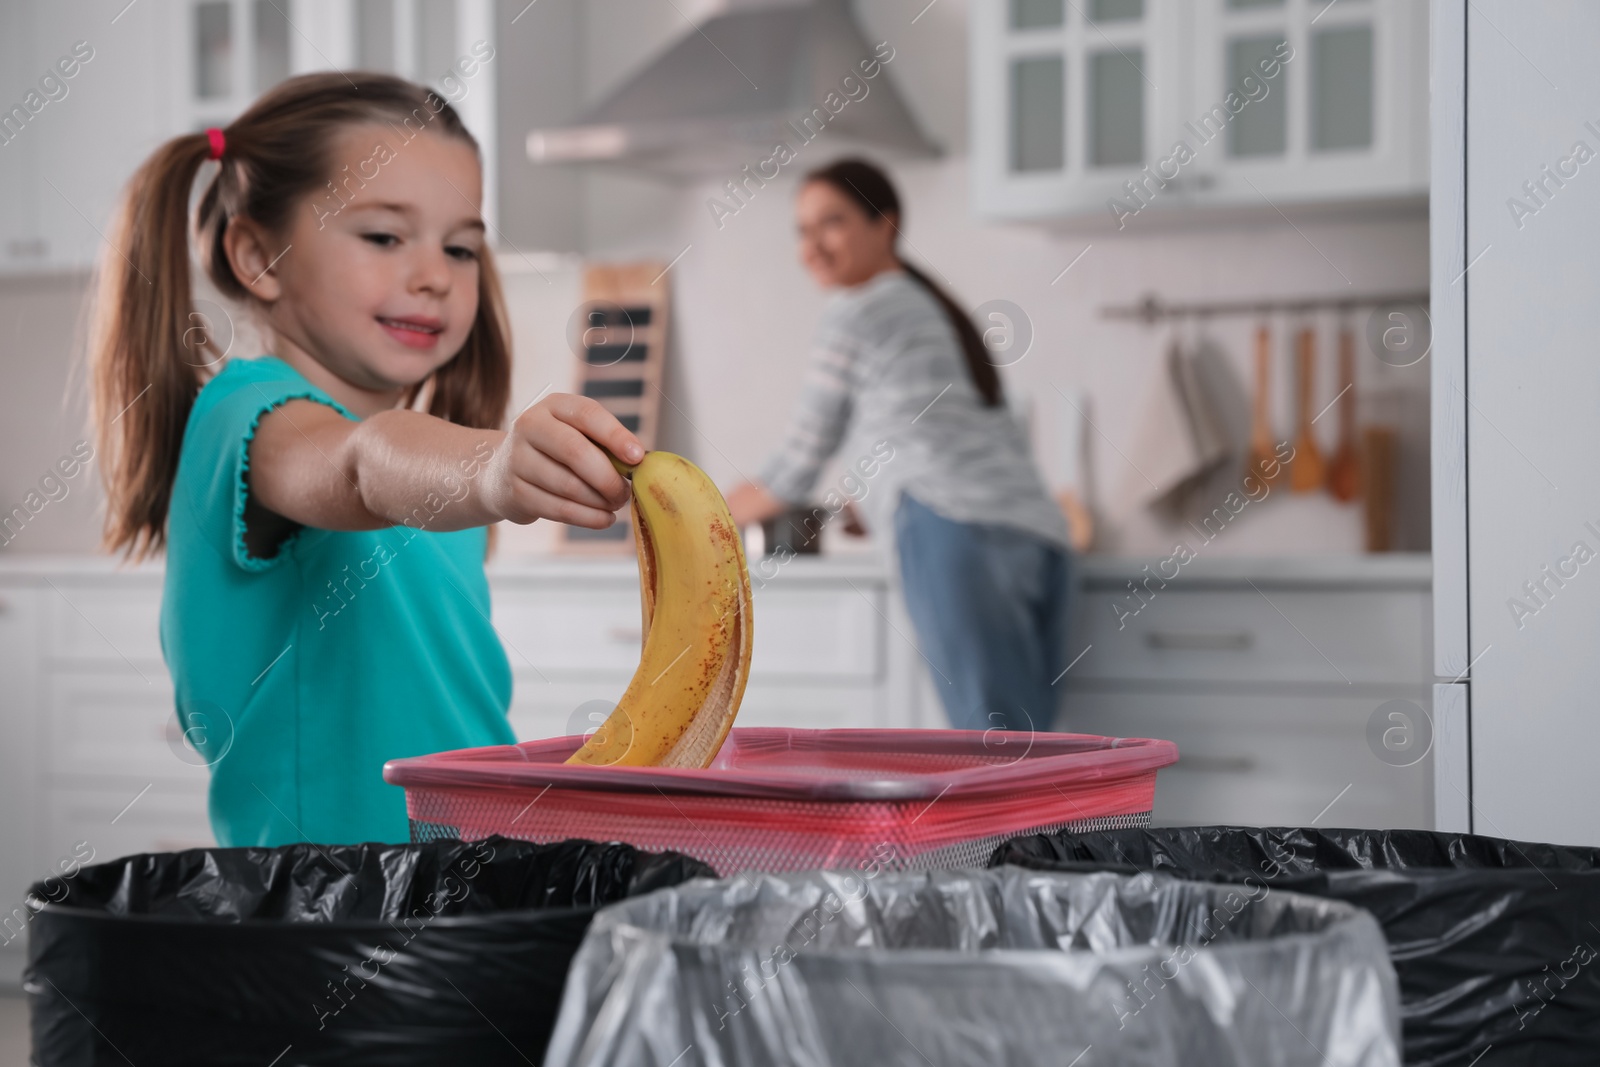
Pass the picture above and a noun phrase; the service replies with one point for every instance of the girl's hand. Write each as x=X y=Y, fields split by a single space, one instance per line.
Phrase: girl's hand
x=551 y=466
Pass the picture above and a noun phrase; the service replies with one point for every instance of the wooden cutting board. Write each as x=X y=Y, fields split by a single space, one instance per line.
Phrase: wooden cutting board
x=619 y=341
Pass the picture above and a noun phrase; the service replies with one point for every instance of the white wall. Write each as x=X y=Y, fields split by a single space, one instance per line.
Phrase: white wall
x=745 y=309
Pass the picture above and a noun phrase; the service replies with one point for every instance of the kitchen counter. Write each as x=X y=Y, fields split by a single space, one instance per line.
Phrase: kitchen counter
x=837 y=568
x=1410 y=570
x=844 y=565
x=31 y=567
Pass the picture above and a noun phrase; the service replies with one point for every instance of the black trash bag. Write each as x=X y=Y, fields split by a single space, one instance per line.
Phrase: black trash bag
x=446 y=952
x=1496 y=943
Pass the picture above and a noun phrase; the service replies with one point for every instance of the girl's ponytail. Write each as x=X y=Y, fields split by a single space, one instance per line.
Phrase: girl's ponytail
x=146 y=350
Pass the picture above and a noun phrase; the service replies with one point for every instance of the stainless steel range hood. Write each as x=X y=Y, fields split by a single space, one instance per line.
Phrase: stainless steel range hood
x=757 y=74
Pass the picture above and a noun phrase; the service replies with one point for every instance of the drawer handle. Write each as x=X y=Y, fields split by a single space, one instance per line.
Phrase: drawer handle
x=1201 y=640
x=1217 y=764
x=626 y=635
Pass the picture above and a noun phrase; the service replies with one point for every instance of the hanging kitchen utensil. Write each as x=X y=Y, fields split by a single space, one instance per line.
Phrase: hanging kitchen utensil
x=1380 y=449
x=1307 y=472
x=1344 y=473
x=1077 y=495
x=1263 y=460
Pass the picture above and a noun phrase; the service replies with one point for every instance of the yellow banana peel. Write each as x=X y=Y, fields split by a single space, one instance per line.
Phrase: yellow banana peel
x=694 y=590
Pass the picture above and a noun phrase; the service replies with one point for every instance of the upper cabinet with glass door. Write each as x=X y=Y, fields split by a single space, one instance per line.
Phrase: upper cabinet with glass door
x=237 y=49
x=1348 y=116
x=1068 y=97
x=1113 y=107
x=171 y=68
x=240 y=48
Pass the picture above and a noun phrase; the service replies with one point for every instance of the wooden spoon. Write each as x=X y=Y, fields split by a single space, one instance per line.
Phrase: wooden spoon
x=1344 y=473
x=1263 y=458
x=1379 y=454
x=1307 y=472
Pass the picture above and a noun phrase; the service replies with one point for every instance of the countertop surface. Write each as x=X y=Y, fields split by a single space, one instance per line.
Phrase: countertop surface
x=1405 y=570
x=1390 y=570
x=860 y=567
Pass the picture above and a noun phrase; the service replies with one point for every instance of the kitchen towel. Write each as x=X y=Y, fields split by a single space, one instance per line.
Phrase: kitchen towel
x=1182 y=441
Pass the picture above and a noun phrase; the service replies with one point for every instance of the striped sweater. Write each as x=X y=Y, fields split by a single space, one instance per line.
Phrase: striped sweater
x=888 y=367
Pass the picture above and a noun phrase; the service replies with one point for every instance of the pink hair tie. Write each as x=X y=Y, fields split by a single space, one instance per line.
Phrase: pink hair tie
x=218 y=142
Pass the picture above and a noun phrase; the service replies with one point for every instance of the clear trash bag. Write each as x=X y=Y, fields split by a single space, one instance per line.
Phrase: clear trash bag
x=995 y=968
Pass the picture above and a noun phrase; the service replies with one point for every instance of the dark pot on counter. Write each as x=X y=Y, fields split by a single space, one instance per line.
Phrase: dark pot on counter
x=798 y=529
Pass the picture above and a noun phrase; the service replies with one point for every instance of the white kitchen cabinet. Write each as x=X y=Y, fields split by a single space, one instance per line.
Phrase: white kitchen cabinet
x=109 y=762
x=158 y=70
x=542 y=709
x=121 y=821
x=1268 y=675
x=1287 y=757
x=1295 y=636
x=20 y=243
x=234 y=50
x=116 y=724
x=1080 y=108
x=105 y=623
x=1349 y=117
x=569 y=630
x=816 y=706
x=814 y=631
x=821 y=659
x=1067 y=99
x=64 y=164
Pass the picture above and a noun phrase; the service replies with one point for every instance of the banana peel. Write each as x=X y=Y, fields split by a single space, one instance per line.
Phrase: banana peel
x=694 y=587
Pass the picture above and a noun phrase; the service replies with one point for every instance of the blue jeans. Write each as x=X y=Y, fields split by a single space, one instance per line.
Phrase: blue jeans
x=990 y=607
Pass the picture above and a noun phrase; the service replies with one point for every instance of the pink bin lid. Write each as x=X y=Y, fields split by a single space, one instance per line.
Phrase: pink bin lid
x=785 y=764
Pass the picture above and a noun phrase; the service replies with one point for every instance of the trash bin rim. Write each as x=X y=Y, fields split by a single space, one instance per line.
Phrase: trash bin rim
x=1527 y=868
x=1338 y=914
x=928 y=956
x=79 y=913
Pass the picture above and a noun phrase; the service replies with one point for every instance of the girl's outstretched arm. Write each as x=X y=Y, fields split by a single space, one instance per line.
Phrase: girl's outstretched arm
x=312 y=466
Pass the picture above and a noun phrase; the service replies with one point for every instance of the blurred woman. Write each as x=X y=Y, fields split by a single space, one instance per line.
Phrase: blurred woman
x=899 y=371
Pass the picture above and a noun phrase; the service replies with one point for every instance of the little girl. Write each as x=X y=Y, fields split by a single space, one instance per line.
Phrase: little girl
x=323 y=507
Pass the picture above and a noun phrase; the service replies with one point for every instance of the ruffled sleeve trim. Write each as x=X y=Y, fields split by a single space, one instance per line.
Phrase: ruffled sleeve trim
x=241 y=493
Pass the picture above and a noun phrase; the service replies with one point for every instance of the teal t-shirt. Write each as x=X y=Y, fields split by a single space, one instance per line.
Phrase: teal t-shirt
x=299 y=675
